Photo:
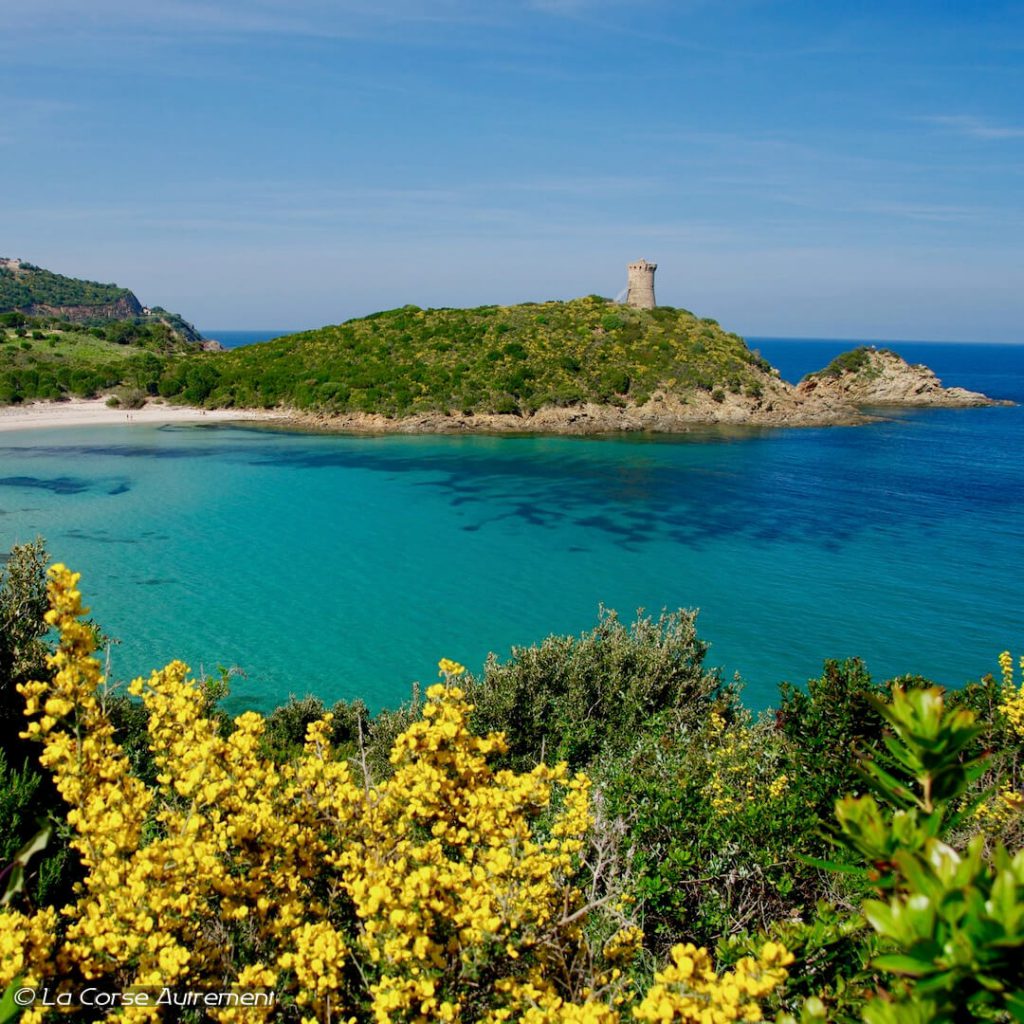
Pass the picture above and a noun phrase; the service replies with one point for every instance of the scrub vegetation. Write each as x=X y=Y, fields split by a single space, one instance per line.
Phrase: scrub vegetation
x=857 y=360
x=492 y=359
x=594 y=830
x=51 y=359
x=496 y=359
x=29 y=285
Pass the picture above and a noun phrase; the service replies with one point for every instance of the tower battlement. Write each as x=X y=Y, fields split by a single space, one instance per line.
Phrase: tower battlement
x=640 y=278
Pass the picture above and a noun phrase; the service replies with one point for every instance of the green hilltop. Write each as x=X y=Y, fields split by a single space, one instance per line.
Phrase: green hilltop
x=23 y=286
x=491 y=359
x=35 y=292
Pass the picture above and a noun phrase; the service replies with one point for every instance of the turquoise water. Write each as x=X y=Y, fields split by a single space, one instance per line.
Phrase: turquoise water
x=347 y=566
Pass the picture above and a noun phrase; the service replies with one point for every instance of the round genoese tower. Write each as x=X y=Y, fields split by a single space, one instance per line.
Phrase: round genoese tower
x=641 y=284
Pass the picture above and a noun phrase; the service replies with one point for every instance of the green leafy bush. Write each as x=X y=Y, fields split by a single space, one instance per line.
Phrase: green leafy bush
x=27 y=798
x=574 y=698
x=951 y=919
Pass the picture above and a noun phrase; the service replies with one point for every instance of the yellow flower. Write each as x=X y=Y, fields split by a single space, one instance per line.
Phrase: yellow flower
x=342 y=895
x=1012 y=703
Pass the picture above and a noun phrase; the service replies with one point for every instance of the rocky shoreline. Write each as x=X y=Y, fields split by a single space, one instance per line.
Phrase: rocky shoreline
x=663 y=414
x=833 y=397
x=883 y=378
x=840 y=398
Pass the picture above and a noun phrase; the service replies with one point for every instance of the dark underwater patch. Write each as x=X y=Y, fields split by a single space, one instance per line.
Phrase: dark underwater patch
x=99 y=537
x=57 y=485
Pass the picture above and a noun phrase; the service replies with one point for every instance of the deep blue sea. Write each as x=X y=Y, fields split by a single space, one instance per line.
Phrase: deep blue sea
x=236 y=339
x=346 y=566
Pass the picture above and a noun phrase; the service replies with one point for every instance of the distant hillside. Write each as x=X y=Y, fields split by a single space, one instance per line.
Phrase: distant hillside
x=60 y=336
x=35 y=292
x=492 y=359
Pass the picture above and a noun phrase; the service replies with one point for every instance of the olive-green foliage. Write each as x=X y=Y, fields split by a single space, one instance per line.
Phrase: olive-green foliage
x=719 y=840
x=287 y=724
x=18 y=788
x=512 y=359
x=27 y=797
x=717 y=822
x=128 y=398
x=567 y=699
x=576 y=698
x=32 y=286
x=23 y=603
x=830 y=722
x=69 y=359
x=855 y=361
x=835 y=723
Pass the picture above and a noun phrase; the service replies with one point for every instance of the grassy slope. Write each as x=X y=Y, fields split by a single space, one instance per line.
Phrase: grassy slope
x=489 y=359
x=50 y=362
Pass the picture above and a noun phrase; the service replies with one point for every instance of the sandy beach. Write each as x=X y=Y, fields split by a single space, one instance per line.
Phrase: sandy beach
x=96 y=412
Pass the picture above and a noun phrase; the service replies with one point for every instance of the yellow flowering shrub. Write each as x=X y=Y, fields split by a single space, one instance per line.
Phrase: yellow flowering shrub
x=995 y=813
x=688 y=989
x=449 y=892
x=1012 y=704
x=737 y=779
x=1001 y=812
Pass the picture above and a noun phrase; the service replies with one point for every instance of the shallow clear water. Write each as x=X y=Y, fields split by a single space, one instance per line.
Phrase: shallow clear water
x=347 y=566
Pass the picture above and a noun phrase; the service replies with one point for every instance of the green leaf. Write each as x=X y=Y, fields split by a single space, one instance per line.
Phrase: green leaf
x=832 y=865
x=1014 y=1003
x=16 y=882
x=900 y=963
x=9 y=1010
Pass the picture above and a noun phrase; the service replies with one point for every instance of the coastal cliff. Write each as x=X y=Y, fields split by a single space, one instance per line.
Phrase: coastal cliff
x=41 y=294
x=123 y=308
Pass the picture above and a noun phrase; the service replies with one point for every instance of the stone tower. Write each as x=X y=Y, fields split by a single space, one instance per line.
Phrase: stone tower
x=641 y=284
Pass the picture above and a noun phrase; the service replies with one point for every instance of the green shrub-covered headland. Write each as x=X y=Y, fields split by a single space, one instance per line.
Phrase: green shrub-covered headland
x=29 y=285
x=492 y=359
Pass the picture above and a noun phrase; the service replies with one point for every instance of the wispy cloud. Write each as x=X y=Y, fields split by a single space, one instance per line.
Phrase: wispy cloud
x=328 y=18
x=975 y=127
x=939 y=213
x=574 y=7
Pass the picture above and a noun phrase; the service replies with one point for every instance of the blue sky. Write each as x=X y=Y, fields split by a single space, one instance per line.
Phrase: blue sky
x=812 y=169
